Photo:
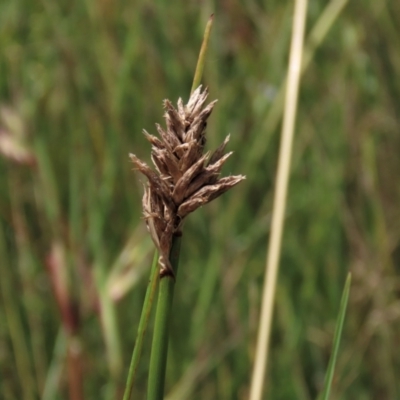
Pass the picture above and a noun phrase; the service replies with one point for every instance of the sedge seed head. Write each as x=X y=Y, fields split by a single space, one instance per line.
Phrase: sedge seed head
x=184 y=178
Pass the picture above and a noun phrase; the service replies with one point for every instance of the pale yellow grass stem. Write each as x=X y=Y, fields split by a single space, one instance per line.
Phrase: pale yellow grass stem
x=279 y=204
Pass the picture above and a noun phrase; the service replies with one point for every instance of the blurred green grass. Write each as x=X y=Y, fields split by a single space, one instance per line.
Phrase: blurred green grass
x=78 y=83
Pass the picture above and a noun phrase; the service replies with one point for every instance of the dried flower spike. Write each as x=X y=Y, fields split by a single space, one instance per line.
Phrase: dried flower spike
x=185 y=178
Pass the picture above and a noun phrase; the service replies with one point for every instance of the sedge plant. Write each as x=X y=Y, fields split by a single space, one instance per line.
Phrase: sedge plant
x=184 y=179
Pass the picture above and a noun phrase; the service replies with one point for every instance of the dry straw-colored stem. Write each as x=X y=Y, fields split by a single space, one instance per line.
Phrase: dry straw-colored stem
x=279 y=200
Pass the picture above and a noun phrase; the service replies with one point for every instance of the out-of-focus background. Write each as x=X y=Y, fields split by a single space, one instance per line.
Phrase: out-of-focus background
x=78 y=83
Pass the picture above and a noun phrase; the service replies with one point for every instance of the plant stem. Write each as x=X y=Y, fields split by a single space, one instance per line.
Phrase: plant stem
x=109 y=326
x=278 y=211
x=11 y=320
x=56 y=366
x=144 y=319
x=336 y=340
x=202 y=55
x=159 y=348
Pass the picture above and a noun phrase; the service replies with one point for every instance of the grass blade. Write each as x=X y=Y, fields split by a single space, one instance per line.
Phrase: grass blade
x=336 y=340
x=202 y=56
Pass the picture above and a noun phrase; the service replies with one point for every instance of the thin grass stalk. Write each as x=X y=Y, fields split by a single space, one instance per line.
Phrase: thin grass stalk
x=159 y=347
x=280 y=196
x=202 y=56
x=59 y=272
x=109 y=326
x=144 y=319
x=317 y=35
x=336 y=340
x=108 y=313
x=13 y=321
x=25 y=267
x=56 y=366
x=47 y=184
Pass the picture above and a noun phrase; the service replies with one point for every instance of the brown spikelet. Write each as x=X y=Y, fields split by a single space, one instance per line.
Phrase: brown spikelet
x=183 y=180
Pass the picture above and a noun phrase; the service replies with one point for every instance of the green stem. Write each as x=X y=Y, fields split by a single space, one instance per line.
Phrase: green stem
x=202 y=56
x=336 y=340
x=11 y=318
x=144 y=319
x=55 y=369
x=109 y=326
x=159 y=348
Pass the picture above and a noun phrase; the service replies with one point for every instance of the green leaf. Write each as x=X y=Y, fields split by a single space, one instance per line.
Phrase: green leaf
x=336 y=340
